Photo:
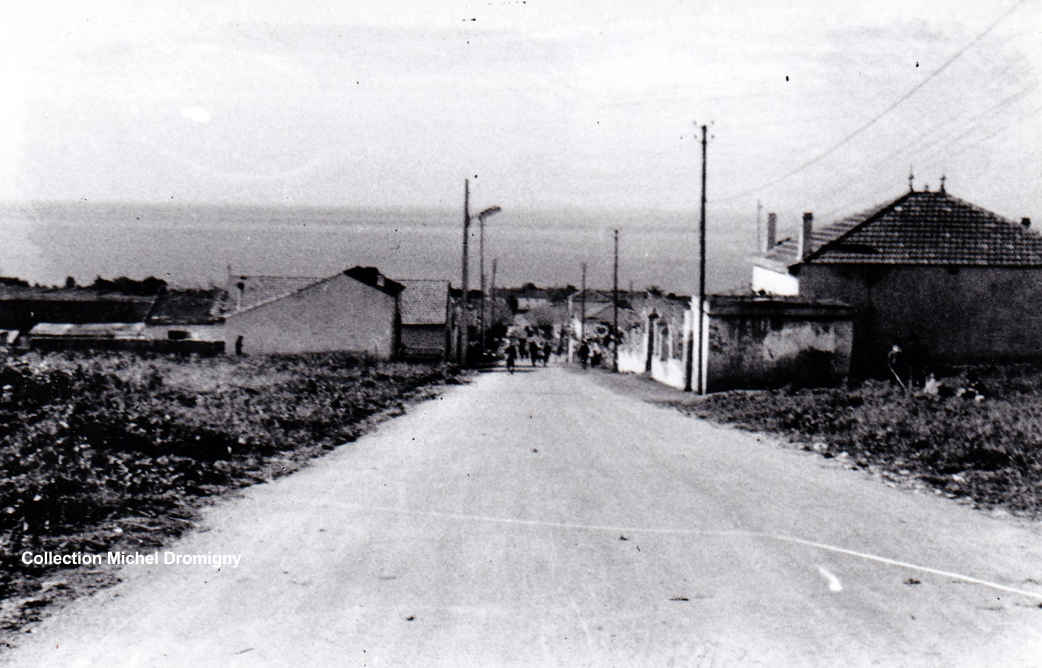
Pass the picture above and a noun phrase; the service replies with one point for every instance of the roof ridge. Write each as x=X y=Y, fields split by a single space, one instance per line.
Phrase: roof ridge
x=871 y=216
x=981 y=210
x=274 y=276
x=284 y=295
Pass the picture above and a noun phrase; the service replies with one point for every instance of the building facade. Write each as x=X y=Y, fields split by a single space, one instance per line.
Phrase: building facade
x=928 y=272
x=354 y=311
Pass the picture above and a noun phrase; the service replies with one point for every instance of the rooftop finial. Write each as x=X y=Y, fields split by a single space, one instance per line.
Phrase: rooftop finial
x=911 y=180
x=943 y=179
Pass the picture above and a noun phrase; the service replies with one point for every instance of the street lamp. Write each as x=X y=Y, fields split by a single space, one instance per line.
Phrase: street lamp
x=485 y=213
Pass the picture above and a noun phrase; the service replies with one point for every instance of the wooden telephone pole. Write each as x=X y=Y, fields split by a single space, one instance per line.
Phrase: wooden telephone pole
x=615 y=308
x=702 y=268
x=582 y=307
x=464 y=319
x=492 y=292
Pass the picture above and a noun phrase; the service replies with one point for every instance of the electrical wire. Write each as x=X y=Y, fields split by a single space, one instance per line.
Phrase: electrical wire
x=875 y=119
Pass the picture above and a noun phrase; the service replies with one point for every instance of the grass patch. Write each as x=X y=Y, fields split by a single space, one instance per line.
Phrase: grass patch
x=988 y=449
x=108 y=451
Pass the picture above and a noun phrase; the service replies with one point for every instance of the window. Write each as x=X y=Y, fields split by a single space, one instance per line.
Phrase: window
x=678 y=345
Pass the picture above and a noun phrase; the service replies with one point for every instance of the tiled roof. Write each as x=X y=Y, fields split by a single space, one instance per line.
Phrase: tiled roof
x=604 y=313
x=188 y=307
x=423 y=302
x=21 y=308
x=372 y=277
x=920 y=228
x=256 y=289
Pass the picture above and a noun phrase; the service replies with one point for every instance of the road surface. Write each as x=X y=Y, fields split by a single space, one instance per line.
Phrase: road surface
x=541 y=519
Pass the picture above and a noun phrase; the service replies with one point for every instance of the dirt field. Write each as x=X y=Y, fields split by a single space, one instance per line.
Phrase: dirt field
x=112 y=451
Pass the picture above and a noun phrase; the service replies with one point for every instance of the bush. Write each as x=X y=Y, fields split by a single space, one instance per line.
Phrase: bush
x=989 y=449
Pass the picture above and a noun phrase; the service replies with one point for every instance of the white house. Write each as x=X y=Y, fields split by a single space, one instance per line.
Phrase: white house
x=356 y=310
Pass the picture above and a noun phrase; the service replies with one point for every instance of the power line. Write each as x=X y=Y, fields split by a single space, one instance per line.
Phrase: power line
x=927 y=145
x=847 y=139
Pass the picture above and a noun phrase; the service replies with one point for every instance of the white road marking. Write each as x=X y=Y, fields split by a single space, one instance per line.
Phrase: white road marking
x=700 y=532
x=834 y=584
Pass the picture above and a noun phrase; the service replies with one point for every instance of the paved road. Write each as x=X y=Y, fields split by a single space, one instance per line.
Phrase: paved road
x=541 y=519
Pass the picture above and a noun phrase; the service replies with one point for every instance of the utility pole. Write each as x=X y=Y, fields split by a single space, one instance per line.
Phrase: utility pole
x=759 y=208
x=702 y=268
x=485 y=213
x=492 y=290
x=464 y=323
x=481 y=254
x=615 y=308
x=582 y=307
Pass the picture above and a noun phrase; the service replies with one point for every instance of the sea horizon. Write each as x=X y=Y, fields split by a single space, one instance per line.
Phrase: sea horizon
x=194 y=244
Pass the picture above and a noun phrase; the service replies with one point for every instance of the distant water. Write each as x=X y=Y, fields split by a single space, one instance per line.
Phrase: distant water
x=192 y=245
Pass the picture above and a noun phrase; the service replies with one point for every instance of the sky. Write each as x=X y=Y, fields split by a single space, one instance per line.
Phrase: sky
x=825 y=107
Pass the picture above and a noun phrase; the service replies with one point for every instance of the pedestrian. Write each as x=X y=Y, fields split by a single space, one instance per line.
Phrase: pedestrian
x=548 y=349
x=584 y=353
x=523 y=348
x=511 y=354
x=533 y=351
x=895 y=360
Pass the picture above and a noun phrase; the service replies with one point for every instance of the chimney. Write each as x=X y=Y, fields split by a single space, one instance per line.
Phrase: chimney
x=805 y=243
x=771 y=238
x=1025 y=222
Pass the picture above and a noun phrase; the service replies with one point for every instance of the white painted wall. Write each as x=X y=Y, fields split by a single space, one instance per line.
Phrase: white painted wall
x=339 y=313
x=213 y=332
x=775 y=282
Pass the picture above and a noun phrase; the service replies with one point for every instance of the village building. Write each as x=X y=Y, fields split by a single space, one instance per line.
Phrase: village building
x=92 y=335
x=425 y=319
x=742 y=342
x=187 y=321
x=53 y=315
x=661 y=327
x=940 y=277
x=356 y=310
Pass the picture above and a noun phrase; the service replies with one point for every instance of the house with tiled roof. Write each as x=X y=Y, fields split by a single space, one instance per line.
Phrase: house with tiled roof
x=426 y=319
x=356 y=310
x=927 y=271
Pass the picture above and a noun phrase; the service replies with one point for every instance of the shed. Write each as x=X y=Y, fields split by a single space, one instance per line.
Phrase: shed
x=425 y=319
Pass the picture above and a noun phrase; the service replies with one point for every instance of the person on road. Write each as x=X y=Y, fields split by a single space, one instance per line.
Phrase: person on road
x=548 y=349
x=511 y=354
x=533 y=351
x=584 y=353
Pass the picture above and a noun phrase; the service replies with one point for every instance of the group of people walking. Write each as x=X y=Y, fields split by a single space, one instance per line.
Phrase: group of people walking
x=538 y=351
x=534 y=350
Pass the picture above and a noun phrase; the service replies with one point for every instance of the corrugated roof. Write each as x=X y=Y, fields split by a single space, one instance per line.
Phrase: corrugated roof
x=920 y=228
x=423 y=302
x=108 y=330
